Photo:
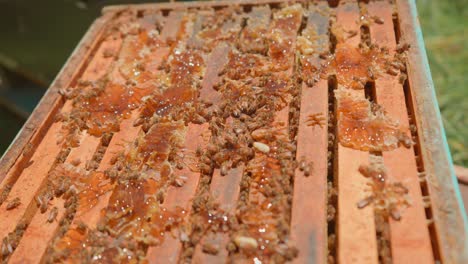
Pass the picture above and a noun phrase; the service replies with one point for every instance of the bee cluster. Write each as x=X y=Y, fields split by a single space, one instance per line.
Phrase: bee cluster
x=247 y=110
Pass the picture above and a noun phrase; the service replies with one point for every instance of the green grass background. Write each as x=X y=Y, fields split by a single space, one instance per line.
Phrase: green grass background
x=445 y=33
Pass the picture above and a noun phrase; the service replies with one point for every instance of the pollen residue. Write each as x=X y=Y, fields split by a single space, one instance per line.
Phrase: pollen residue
x=73 y=241
x=365 y=126
x=253 y=36
x=185 y=64
x=278 y=87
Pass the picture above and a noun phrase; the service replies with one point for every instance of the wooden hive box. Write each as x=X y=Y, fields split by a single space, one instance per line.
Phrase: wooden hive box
x=237 y=131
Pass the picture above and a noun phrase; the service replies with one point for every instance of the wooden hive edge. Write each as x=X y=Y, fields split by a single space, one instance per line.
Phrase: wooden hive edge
x=443 y=187
x=196 y=4
x=43 y=114
x=450 y=221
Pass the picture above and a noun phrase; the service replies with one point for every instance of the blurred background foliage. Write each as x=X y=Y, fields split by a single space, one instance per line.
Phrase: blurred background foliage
x=38 y=36
x=444 y=25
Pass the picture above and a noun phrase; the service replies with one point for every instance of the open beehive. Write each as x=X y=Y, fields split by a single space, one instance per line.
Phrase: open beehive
x=262 y=131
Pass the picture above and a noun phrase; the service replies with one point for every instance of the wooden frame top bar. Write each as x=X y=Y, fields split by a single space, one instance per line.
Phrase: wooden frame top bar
x=298 y=151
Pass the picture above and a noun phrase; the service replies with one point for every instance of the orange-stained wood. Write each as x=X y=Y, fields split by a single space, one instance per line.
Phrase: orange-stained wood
x=128 y=132
x=309 y=206
x=176 y=27
x=281 y=117
x=34 y=129
x=40 y=231
x=229 y=184
x=88 y=74
x=117 y=144
x=225 y=189
x=34 y=176
x=216 y=61
x=355 y=227
x=171 y=248
x=410 y=240
x=35 y=248
x=31 y=180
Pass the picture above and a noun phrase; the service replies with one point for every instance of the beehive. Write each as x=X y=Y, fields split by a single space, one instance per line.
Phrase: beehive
x=255 y=131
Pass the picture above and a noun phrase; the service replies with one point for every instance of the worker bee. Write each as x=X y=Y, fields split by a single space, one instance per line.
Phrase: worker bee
x=180 y=180
x=138 y=122
x=225 y=167
x=28 y=149
x=205 y=168
x=308 y=169
x=302 y=164
x=221 y=157
x=352 y=33
x=365 y=202
x=378 y=20
x=61 y=185
x=52 y=214
x=13 y=203
x=108 y=53
x=42 y=201
x=81 y=227
x=75 y=162
x=7 y=247
x=405 y=140
x=67 y=93
x=317 y=119
x=263 y=133
x=395 y=213
x=392 y=71
x=402 y=47
x=402 y=78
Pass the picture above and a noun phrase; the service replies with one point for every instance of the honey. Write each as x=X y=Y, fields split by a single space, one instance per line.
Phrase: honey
x=184 y=68
x=208 y=133
x=365 y=126
x=283 y=32
x=156 y=145
x=388 y=198
x=113 y=104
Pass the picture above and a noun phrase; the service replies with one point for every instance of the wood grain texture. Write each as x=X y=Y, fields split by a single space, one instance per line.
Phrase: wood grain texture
x=26 y=165
x=356 y=228
x=410 y=240
x=42 y=118
x=195 y=4
x=98 y=67
x=34 y=176
x=127 y=132
x=309 y=211
x=171 y=249
x=40 y=231
x=451 y=224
